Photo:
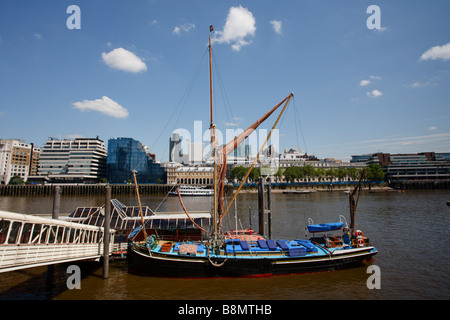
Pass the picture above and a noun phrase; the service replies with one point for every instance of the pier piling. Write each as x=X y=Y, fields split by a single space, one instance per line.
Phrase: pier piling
x=261 y=205
x=106 y=238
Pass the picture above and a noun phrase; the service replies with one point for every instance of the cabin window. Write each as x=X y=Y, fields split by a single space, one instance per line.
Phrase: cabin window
x=36 y=232
x=26 y=232
x=4 y=226
x=14 y=232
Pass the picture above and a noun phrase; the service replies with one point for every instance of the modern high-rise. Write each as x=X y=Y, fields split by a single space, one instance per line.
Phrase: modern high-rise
x=17 y=158
x=126 y=155
x=73 y=161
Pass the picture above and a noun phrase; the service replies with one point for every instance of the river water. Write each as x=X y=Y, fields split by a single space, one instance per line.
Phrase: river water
x=408 y=228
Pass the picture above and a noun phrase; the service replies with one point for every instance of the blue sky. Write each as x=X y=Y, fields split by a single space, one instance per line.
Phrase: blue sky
x=131 y=66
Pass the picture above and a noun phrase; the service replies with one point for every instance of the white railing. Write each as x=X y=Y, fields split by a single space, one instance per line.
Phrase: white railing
x=28 y=241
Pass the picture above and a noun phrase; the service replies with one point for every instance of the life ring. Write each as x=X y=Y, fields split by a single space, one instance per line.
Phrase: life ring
x=359 y=234
x=360 y=242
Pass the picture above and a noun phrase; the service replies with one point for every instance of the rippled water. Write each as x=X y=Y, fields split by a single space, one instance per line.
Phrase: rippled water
x=409 y=229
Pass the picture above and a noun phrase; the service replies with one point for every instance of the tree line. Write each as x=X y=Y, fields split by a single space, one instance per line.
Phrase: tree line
x=374 y=172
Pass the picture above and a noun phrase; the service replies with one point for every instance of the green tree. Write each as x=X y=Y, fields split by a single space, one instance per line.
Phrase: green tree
x=309 y=171
x=375 y=172
x=342 y=173
x=320 y=173
x=279 y=174
x=331 y=173
x=238 y=173
x=254 y=174
x=16 y=180
x=353 y=173
x=292 y=173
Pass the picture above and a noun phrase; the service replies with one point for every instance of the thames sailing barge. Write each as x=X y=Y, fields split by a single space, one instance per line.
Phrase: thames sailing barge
x=244 y=253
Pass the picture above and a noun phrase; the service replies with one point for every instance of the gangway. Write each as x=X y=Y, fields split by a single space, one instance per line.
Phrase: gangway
x=28 y=241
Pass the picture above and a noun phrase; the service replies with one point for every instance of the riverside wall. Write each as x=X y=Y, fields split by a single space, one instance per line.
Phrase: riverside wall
x=163 y=189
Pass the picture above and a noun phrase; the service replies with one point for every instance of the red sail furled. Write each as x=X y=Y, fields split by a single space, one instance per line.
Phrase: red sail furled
x=230 y=146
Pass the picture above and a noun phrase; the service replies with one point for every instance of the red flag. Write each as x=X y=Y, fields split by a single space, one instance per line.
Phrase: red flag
x=211 y=28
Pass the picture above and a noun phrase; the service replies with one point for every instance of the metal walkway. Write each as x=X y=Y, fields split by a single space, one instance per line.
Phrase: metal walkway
x=28 y=241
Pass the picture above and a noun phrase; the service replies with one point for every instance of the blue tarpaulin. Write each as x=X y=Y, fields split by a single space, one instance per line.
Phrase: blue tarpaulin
x=325 y=227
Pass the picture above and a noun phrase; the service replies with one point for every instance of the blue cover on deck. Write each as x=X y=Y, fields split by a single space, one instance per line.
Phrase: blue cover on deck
x=263 y=244
x=325 y=227
x=271 y=244
x=283 y=245
x=244 y=245
x=307 y=244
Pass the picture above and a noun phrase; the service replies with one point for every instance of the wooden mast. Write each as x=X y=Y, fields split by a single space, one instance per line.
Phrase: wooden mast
x=212 y=129
x=219 y=170
x=140 y=206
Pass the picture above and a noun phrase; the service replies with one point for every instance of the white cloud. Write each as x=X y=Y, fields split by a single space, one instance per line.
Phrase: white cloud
x=184 y=28
x=239 y=26
x=38 y=36
x=418 y=84
x=374 y=93
x=437 y=138
x=437 y=52
x=104 y=105
x=276 y=25
x=364 y=83
x=433 y=128
x=124 y=60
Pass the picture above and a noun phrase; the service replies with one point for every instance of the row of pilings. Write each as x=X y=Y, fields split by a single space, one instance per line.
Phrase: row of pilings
x=95 y=189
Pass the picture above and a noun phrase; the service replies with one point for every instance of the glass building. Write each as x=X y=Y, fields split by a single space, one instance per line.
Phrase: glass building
x=126 y=155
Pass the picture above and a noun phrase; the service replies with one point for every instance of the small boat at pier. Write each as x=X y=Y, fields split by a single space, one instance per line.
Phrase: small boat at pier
x=193 y=191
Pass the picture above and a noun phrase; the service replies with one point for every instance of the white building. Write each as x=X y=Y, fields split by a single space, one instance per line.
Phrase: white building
x=17 y=158
x=79 y=160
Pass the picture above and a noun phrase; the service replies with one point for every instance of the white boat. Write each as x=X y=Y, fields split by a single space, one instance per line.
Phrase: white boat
x=192 y=191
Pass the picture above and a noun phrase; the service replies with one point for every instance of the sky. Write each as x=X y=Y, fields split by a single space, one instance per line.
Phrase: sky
x=367 y=76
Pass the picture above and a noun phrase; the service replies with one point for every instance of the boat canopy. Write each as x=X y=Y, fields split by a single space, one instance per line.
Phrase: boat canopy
x=127 y=217
x=323 y=227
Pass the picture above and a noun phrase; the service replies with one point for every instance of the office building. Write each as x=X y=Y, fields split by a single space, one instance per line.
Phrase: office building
x=412 y=167
x=126 y=155
x=17 y=158
x=82 y=160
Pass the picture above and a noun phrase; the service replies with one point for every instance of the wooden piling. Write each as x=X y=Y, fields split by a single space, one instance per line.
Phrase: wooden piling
x=56 y=202
x=269 y=208
x=106 y=237
x=261 y=206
